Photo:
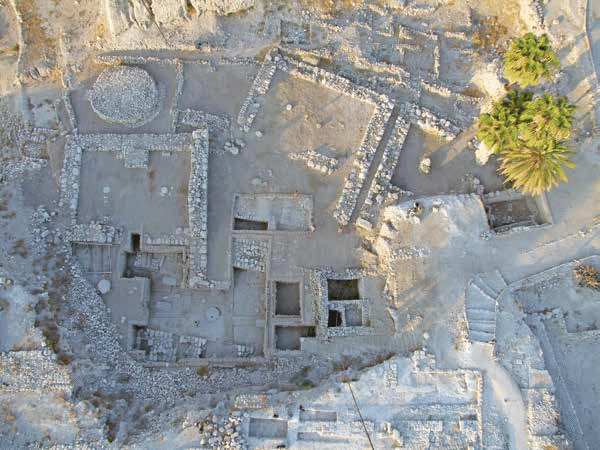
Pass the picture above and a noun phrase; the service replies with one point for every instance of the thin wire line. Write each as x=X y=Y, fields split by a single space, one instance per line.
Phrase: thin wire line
x=360 y=415
x=153 y=20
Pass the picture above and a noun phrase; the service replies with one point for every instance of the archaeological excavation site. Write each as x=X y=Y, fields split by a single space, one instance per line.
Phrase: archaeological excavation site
x=304 y=224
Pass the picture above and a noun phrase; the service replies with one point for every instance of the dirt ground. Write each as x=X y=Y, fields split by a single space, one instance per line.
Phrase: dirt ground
x=298 y=323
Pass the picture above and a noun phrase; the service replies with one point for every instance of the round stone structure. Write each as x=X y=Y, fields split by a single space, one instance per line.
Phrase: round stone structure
x=213 y=313
x=125 y=95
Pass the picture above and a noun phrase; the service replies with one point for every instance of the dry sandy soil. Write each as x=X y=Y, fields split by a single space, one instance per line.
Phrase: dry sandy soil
x=232 y=245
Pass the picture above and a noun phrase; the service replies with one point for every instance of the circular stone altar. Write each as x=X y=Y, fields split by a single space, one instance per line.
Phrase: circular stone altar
x=126 y=95
x=213 y=313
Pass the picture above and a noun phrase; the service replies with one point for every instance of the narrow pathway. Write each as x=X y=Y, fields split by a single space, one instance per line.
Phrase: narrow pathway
x=567 y=409
x=592 y=30
x=506 y=393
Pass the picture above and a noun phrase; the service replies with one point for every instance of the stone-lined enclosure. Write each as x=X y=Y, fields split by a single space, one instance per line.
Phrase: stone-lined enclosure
x=214 y=252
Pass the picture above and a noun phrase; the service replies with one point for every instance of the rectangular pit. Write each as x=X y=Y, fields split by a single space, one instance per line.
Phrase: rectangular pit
x=287 y=298
x=268 y=428
x=251 y=225
x=278 y=212
x=94 y=258
x=354 y=317
x=318 y=416
x=334 y=319
x=288 y=338
x=135 y=242
x=344 y=289
x=508 y=210
x=155 y=199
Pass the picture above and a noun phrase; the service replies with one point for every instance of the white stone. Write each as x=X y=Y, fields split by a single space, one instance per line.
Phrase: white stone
x=482 y=154
x=425 y=165
x=104 y=286
x=164 y=191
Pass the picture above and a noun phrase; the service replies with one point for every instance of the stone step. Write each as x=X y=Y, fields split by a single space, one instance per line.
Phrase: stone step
x=486 y=327
x=481 y=315
x=494 y=280
x=476 y=298
x=480 y=336
x=480 y=280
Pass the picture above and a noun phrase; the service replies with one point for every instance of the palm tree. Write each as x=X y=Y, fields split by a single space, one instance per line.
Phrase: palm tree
x=500 y=128
x=534 y=169
x=528 y=59
x=546 y=117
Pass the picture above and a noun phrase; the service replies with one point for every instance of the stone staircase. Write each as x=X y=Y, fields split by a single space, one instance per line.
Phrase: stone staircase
x=480 y=305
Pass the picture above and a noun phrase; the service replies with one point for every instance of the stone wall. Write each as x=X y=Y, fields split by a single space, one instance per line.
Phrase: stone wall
x=381 y=181
x=364 y=305
x=448 y=92
x=70 y=111
x=363 y=159
x=142 y=57
x=162 y=346
x=181 y=237
x=260 y=86
x=375 y=129
x=132 y=148
x=180 y=79
x=124 y=142
x=197 y=118
x=431 y=122
x=316 y=161
x=318 y=284
x=198 y=208
x=92 y=233
x=70 y=178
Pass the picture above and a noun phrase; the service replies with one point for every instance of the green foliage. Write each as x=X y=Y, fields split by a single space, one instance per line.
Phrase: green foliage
x=500 y=129
x=528 y=135
x=528 y=59
x=203 y=371
x=546 y=116
x=536 y=168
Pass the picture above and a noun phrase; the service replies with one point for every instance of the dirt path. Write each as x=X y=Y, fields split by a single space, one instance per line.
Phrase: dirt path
x=592 y=28
x=506 y=392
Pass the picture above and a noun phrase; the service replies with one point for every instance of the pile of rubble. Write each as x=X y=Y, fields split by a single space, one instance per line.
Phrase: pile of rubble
x=197 y=118
x=32 y=371
x=221 y=433
x=126 y=95
x=316 y=161
x=92 y=233
x=250 y=254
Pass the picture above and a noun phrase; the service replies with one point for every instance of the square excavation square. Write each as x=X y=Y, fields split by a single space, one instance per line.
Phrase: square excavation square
x=318 y=118
x=287 y=298
x=352 y=217
x=152 y=199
